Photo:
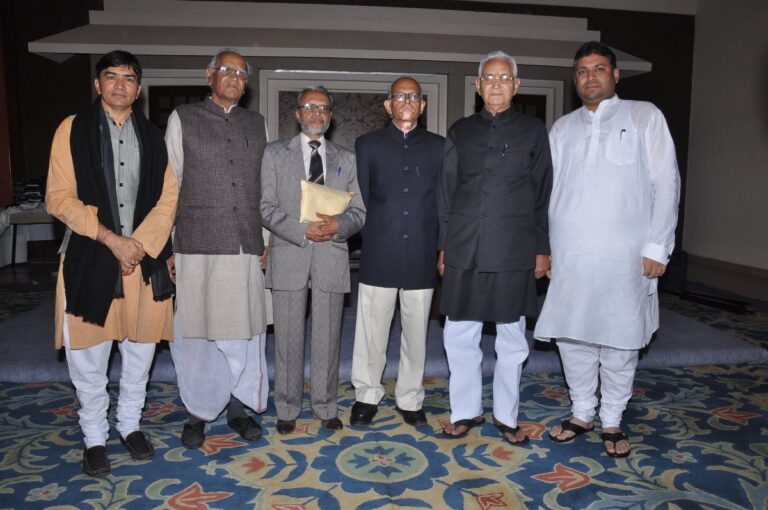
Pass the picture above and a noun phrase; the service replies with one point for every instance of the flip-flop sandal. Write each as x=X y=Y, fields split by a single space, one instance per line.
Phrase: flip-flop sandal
x=470 y=423
x=614 y=437
x=506 y=429
x=570 y=427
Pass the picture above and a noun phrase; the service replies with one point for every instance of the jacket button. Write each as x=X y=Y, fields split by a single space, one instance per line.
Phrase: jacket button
x=405 y=236
x=405 y=190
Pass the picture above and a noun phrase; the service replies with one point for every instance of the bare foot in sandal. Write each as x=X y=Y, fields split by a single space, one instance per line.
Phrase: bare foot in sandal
x=615 y=442
x=461 y=428
x=569 y=429
x=512 y=435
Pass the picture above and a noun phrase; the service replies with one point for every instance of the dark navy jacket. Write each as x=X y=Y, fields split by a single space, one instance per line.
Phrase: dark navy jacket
x=398 y=175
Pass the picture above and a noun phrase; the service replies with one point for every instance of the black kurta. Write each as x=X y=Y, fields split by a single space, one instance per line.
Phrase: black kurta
x=492 y=206
x=398 y=175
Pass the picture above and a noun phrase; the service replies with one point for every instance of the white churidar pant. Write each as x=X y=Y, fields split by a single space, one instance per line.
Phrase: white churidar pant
x=209 y=371
x=88 y=371
x=462 y=345
x=375 y=308
x=582 y=363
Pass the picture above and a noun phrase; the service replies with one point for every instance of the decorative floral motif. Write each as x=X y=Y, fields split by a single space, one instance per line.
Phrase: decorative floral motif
x=381 y=463
x=194 y=497
x=679 y=457
x=567 y=478
x=47 y=493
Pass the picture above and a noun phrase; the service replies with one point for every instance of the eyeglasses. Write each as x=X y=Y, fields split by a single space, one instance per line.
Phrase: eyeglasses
x=504 y=79
x=400 y=97
x=232 y=71
x=310 y=107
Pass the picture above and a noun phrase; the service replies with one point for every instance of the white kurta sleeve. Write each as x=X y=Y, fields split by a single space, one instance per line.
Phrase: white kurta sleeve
x=665 y=184
x=174 y=144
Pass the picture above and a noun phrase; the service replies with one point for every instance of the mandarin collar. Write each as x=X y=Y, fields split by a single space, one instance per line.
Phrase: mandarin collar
x=400 y=135
x=506 y=114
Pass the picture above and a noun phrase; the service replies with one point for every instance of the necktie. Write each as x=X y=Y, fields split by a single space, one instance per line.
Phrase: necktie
x=315 y=164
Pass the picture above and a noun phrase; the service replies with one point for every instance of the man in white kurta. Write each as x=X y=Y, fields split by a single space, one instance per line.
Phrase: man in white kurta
x=612 y=220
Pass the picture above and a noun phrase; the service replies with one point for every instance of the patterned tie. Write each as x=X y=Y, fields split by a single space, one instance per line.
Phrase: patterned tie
x=315 y=164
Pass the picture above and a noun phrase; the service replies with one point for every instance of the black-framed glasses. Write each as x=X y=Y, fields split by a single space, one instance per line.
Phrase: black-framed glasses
x=232 y=71
x=311 y=107
x=399 y=97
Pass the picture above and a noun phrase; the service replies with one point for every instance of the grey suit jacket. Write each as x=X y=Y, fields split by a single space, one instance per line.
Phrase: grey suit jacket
x=290 y=253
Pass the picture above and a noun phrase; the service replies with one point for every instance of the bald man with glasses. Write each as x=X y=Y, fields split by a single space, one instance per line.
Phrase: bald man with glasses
x=398 y=168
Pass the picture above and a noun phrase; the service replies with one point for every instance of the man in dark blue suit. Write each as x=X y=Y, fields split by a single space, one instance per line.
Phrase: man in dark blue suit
x=397 y=168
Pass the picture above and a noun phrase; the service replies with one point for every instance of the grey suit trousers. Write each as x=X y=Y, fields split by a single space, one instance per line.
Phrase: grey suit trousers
x=290 y=323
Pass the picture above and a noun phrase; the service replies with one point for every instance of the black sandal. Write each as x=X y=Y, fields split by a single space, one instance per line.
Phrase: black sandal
x=568 y=425
x=506 y=429
x=615 y=437
x=469 y=423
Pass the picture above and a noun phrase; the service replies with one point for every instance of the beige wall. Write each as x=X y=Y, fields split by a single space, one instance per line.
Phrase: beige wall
x=726 y=214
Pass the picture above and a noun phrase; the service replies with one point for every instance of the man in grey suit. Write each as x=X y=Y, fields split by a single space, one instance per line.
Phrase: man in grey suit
x=308 y=254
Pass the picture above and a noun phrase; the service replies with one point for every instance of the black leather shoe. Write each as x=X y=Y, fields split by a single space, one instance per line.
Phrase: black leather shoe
x=95 y=461
x=362 y=413
x=246 y=427
x=193 y=436
x=138 y=445
x=285 y=426
x=332 y=424
x=413 y=418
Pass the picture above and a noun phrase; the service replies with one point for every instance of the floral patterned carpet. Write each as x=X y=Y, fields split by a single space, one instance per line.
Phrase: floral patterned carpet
x=699 y=438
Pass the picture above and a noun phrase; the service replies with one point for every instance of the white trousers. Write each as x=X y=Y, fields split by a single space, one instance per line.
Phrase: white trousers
x=210 y=371
x=375 y=309
x=583 y=363
x=88 y=371
x=465 y=358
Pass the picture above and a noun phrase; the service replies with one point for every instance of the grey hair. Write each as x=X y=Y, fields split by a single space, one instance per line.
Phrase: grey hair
x=215 y=59
x=497 y=55
x=314 y=88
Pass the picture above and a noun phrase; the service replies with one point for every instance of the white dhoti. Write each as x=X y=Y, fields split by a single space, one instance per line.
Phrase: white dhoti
x=582 y=362
x=375 y=309
x=88 y=371
x=462 y=345
x=209 y=371
x=220 y=333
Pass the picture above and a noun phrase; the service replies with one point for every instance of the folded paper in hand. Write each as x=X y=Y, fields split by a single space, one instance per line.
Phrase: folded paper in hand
x=319 y=198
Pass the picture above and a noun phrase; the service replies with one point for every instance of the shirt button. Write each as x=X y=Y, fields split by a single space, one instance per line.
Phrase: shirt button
x=234 y=208
x=121 y=141
x=121 y=205
x=231 y=161
x=234 y=185
x=226 y=120
x=229 y=140
x=122 y=164
x=121 y=184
